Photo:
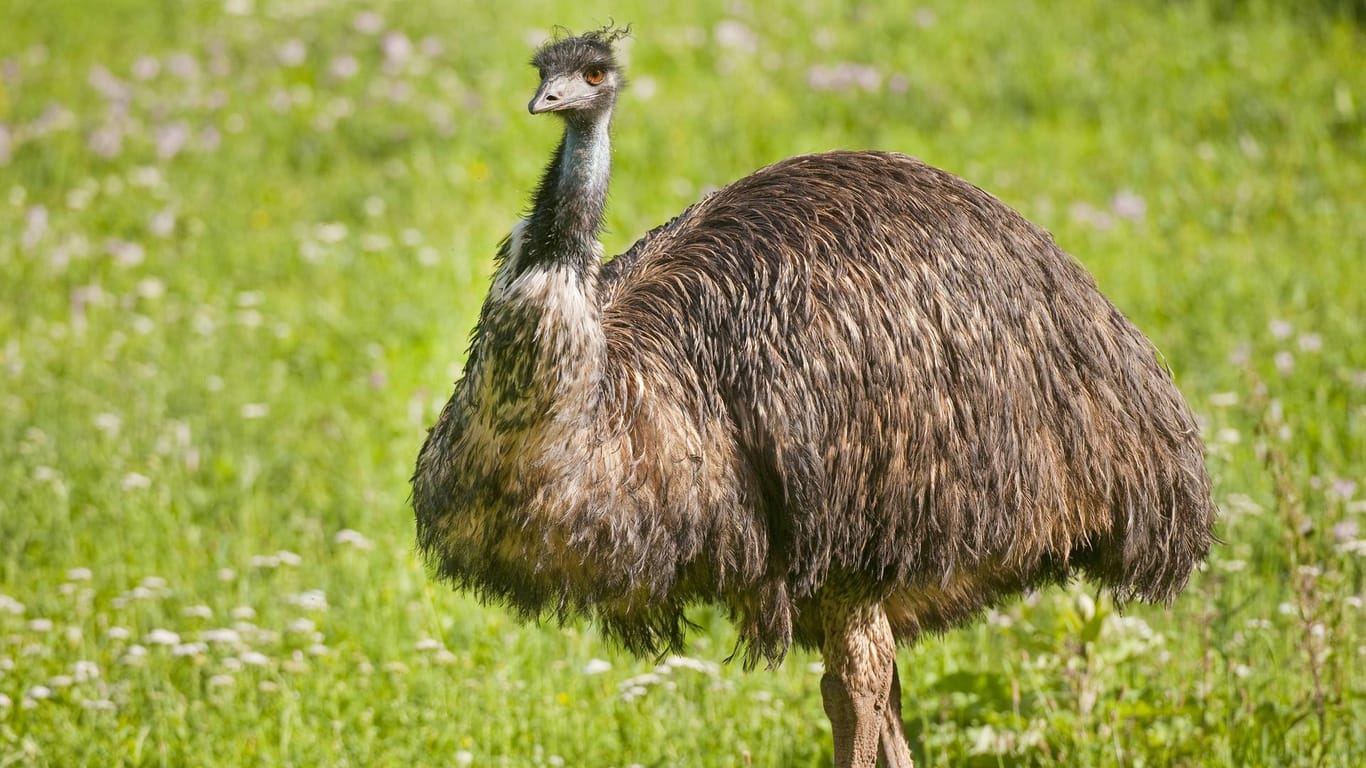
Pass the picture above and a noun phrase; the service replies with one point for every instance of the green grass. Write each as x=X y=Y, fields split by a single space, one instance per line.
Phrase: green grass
x=237 y=280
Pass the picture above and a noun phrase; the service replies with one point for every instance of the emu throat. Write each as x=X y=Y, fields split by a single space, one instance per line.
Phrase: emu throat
x=567 y=214
x=540 y=349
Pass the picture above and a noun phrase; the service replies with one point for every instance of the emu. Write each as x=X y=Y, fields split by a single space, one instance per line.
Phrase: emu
x=851 y=398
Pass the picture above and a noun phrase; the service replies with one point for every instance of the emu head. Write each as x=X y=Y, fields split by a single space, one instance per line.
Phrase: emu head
x=580 y=76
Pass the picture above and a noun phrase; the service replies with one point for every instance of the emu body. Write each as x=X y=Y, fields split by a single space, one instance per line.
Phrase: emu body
x=851 y=397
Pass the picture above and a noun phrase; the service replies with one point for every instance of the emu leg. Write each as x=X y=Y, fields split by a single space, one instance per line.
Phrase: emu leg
x=893 y=751
x=860 y=663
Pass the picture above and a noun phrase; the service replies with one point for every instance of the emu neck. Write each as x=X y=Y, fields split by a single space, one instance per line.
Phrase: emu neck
x=539 y=351
x=567 y=215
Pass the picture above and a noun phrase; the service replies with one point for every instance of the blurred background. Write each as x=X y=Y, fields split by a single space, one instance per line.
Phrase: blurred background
x=243 y=243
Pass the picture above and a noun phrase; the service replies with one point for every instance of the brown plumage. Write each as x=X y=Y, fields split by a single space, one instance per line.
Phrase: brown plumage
x=851 y=397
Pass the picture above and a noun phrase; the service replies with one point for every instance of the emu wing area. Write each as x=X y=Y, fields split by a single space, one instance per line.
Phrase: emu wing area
x=922 y=386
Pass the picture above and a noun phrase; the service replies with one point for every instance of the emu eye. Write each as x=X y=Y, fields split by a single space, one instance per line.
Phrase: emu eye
x=593 y=76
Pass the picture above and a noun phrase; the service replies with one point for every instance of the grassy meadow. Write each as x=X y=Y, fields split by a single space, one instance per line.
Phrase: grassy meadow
x=243 y=243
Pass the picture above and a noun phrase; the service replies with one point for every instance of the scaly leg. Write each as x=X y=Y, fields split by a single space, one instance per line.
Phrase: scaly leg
x=894 y=752
x=860 y=664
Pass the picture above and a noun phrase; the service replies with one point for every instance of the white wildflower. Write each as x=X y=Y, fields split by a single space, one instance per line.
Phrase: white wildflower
x=265 y=561
x=146 y=177
x=1085 y=604
x=146 y=68
x=375 y=242
x=596 y=666
x=1223 y=399
x=254 y=659
x=118 y=633
x=309 y=600
x=223 y=636
x=161 y=637
x=428 y=644
x=125 y=253
x=292 y=52
x=84 y=671
x=135 y=481
x=244 y=613
x=161 y=224
x=79 y=574
x=255 y=410
x=640 y=681
x=1285 y=361
x=397 y=48
x=189 y=649
x=39 y=692
x=735 y=35
x=197 y=611
x=222 y=681
x=330 y=232
x=696 y=665
x=288 y=558
x=368 y=23
x=634 y=692
x=1128 y=205
x=295 y=663
x=40 y=625
x=1357 y=547
x=344 y=67
x=353 y=538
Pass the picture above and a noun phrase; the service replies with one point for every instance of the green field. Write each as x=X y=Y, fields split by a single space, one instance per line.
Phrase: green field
x=243 y=243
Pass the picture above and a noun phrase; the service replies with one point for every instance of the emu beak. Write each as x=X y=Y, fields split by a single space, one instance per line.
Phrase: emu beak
x=559 y=92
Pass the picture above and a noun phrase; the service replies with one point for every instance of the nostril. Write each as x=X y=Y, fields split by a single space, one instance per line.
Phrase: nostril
x=551 y=97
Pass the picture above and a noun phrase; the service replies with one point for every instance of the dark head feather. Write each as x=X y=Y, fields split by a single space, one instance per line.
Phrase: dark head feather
x=592 y=48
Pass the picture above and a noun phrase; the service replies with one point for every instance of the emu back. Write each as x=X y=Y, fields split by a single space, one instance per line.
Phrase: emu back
x=924 y=389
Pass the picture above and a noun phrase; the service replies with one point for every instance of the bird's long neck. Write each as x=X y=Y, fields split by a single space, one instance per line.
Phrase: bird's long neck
x=540 y=352
x=566 y=216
